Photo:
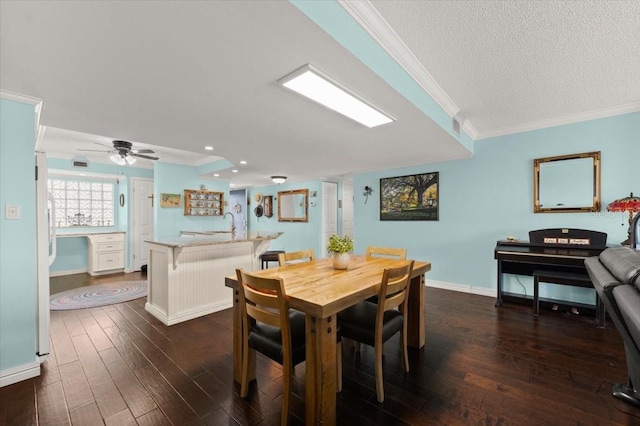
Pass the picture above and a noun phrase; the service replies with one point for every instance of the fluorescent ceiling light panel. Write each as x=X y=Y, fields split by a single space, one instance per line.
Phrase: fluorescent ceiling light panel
x=314 y=84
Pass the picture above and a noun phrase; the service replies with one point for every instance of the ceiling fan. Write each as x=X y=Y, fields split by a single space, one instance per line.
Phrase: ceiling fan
x=123 y=153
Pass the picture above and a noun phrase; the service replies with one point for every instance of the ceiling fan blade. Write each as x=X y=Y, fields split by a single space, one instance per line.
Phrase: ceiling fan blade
x=144 y=156
x=142 y=151
x=95 y=150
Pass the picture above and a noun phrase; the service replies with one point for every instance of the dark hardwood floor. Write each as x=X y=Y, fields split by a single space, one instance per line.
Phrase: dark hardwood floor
x=118 y=365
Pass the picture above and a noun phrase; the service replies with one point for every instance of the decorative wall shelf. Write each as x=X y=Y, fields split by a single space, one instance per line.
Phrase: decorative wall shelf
x=203 y=203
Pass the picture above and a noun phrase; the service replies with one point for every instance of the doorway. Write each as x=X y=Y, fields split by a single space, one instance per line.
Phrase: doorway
x=141 y=224
x=329 y=213
x=238 y=207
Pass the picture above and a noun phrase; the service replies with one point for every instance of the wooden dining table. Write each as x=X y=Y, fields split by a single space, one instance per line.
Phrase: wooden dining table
x=320 y=291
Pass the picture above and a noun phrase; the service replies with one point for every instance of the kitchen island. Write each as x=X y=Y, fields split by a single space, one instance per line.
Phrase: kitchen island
x=186 y=274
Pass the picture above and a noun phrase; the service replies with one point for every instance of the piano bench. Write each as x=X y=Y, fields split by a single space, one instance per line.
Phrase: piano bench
x=564 y=278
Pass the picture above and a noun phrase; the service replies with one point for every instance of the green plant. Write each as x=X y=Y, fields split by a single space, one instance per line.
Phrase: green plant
x=338 y=244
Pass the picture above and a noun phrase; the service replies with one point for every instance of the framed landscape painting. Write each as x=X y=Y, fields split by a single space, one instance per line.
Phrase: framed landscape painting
x=412 y=197
x=170 y=200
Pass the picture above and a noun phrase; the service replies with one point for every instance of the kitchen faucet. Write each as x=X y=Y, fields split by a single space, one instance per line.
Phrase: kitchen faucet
x=233 y=221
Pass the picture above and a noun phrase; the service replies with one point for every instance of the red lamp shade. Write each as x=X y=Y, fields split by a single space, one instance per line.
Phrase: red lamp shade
x=629 y=204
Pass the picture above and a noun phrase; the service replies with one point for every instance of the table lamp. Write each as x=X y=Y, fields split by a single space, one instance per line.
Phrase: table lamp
x=629 y=204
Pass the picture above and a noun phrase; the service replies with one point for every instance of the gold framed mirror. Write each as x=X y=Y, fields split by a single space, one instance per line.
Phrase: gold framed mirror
x=293 y=206
x=567 y=183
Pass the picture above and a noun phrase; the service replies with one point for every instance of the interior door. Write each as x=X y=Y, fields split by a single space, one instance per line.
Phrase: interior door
x=347 y=208
x=142 y=220
x=329 y=213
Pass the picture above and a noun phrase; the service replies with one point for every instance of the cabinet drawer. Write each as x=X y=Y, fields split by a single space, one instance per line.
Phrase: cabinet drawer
x=108 y=238
x=109 y=260
x=109 y=246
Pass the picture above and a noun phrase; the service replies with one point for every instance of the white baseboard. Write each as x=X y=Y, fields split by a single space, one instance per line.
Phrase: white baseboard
x=19 y=373
x=68 y=272
x=463 y=288
x=185 y=316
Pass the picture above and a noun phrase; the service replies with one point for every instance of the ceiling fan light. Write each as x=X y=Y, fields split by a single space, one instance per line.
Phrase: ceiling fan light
x=116 y=158
x=129 y=159
x=278 y=179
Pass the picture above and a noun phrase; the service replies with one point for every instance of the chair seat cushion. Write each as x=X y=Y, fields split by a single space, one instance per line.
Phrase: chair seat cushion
x=268 y=339
x=359 y=322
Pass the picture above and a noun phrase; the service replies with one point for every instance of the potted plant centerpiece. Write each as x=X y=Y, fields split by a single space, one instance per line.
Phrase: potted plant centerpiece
x=341 y=248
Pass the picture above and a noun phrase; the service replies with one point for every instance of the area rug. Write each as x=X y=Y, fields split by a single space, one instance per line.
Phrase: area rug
x=98 y=295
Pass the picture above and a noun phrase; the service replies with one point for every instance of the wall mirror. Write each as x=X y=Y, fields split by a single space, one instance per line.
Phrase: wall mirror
x=293 y=205
x=567 y=183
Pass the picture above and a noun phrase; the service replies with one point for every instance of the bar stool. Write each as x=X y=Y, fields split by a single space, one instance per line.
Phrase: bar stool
x=269 y=256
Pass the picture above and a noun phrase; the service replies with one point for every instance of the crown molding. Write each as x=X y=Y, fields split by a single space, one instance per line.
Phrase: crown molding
x=368 y=17
x=563 y=120
x=24 y=99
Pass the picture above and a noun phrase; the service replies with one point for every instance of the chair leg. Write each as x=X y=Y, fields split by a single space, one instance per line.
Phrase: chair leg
x=339 y=365
x=287 y=373
x=405 y=355
x=378 y=368
x=244 y=381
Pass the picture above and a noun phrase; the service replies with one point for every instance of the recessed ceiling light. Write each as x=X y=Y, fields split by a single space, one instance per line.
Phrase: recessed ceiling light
x=316 y=85
x=232 y=184
x=216 y=174
x=234 y=171
x=243 y=162
x=208 y=148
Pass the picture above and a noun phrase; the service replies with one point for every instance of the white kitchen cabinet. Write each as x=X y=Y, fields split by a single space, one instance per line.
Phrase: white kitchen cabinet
x=106 y=253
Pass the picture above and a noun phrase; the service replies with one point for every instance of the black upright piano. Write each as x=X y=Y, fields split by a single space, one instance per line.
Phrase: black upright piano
x=551 y=255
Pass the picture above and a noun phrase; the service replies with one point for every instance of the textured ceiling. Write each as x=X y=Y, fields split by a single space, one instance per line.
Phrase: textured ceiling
x=506 y=64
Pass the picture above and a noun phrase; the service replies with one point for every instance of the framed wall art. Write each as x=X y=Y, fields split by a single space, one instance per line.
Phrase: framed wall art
x=411 y=197
x=170 y=200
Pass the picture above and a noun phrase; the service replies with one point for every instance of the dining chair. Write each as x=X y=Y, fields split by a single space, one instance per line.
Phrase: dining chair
x=387 y=252
x=296 y=257
x=270 y=327
x=374 y=323
x=307 y=256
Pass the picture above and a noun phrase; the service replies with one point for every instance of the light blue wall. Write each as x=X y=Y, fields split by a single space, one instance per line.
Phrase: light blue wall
x=490 y=196
x=72 y=252
x=174 y=179
x=17 y=237
x=297 y=235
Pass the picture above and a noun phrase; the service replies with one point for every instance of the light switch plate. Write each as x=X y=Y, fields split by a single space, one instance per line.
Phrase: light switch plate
x=12 y=211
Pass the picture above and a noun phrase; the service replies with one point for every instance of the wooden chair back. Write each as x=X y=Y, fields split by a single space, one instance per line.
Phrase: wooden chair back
x=263 y=300
x=394 y=289
x=387 y=252
x=296 y=257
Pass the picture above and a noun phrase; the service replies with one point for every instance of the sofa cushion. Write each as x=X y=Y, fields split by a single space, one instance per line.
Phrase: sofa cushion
x=623 y=263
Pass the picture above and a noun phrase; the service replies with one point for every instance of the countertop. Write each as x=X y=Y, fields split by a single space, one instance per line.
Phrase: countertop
x=215 y=238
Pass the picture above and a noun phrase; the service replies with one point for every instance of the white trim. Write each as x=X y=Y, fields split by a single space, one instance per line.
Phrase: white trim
x=368 y=17
x=70 y=271
x=24 y=99
x=85 y=174
x=463 y=288
x=563 y=120
x=17 y=97
x=175 y=319
x=19 y=373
